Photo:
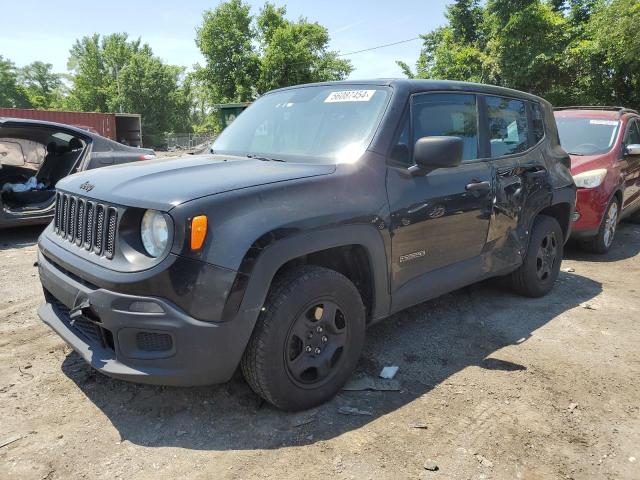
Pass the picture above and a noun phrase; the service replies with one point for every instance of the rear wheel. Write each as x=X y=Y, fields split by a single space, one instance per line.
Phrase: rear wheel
x=541 y=264
x=607 y=231
x=307 y=340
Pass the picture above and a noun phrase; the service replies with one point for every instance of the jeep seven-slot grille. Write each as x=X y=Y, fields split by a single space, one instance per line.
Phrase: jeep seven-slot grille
x=90 y=225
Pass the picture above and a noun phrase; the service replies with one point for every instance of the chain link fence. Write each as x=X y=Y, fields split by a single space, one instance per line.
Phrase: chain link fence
x=188 y=141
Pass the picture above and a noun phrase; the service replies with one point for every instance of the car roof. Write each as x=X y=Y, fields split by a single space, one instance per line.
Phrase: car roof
x=605 y=113
x=416 y=86
x=16 y=122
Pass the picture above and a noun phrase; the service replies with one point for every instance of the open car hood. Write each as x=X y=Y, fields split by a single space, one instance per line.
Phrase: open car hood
x=165 y=183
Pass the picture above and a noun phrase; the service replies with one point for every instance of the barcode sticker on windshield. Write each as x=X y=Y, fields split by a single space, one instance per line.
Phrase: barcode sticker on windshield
x=612 y=123
x=350 y=96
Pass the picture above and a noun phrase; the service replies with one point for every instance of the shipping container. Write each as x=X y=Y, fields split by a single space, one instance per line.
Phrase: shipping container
x=125 y=128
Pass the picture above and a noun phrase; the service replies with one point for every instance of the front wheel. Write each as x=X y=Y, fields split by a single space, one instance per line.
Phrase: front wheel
x=307 y=340
x=541 y=263
x=604 y=238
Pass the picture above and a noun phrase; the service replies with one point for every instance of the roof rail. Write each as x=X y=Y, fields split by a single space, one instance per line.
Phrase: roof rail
x=620 y=110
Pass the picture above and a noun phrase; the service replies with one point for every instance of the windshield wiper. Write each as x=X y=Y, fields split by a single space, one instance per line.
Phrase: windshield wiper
x=575 y=153
x=264 y=159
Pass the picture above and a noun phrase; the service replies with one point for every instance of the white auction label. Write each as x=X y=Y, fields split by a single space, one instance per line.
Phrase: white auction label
x=612 y=123
x=350 y=96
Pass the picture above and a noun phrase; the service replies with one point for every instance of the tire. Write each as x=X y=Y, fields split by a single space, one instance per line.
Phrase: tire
x=295 y=373
x=601 y=243
x=541 y=264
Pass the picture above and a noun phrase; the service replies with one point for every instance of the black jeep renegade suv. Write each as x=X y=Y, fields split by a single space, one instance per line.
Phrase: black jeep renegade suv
x=323 y=209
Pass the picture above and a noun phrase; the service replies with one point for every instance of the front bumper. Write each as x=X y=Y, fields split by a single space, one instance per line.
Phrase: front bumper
x=158 y=345
x=590 y=207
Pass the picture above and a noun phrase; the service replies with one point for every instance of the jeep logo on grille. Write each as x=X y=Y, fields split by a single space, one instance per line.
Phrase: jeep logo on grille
x=87 y=186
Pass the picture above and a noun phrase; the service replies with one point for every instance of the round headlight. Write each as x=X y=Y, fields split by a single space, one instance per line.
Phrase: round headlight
x=154 y=232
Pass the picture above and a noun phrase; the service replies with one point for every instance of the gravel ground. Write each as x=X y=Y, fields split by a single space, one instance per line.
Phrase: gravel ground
x=491 y=385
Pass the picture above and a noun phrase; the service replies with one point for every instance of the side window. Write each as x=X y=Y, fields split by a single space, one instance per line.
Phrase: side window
x=633 y=135
x=538 y=122
x=508 y=132
x=447 y=114
x=400 y=153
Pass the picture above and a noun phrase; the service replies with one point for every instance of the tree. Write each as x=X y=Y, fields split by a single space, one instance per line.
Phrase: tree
x=44 y=88
x=225 y=39
x=115 y=74
x=607 y=59
x=247 y=55
x=457 y=50
x=12 y=94
x=296 y=53
x=465 y=20
x=529 y=45
x=528 y=39
x=270 y=19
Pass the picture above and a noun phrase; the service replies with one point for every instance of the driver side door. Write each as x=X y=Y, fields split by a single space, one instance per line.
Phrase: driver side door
x=439 y=220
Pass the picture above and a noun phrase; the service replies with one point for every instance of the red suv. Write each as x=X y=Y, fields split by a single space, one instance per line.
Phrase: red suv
x=604 y=144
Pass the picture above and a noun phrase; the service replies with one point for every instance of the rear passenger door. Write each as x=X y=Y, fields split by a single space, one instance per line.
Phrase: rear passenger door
x=514 y=130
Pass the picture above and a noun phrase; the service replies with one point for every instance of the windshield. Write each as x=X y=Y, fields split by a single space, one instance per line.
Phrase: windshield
x=323 y=124
x=587 y=136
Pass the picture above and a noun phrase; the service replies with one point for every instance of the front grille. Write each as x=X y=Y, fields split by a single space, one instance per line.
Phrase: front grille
x=88 y=224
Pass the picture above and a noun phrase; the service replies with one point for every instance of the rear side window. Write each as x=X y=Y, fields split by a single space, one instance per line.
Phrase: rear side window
x=447 y=114
x=538 y=122
x=508 y=131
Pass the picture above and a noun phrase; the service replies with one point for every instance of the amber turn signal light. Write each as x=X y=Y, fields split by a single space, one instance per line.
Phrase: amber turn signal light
x=198 y=231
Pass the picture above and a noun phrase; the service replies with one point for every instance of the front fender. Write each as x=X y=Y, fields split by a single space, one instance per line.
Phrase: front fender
x=269 y=253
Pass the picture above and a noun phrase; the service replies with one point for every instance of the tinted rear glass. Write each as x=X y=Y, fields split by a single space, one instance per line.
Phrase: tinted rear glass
x=508 y=127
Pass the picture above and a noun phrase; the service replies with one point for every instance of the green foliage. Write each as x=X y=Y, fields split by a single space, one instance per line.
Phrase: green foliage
x=297 y=53
x=610 y=54
x=12 y=94
x=568 y=51
x=225 y=39
x=247 y=55
x=44 y=88
x=115 y=74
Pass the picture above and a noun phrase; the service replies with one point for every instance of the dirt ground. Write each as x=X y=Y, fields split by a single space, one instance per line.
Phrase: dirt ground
x=500 y=386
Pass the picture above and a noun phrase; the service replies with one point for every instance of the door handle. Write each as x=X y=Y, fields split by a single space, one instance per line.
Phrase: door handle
x=478 y=187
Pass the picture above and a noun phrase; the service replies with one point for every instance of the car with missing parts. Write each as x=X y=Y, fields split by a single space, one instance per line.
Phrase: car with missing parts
x=36 y=154
x=323 y=209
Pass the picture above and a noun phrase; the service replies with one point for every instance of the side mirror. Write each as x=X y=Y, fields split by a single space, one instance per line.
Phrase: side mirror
x=633 y=149
x=430 y=153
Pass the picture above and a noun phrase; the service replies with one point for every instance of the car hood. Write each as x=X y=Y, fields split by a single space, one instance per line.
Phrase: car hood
x=165 y=183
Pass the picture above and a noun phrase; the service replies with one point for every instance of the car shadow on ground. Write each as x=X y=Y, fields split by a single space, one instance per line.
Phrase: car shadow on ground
x=429 y=342
x=625 y=245
x=11 y=238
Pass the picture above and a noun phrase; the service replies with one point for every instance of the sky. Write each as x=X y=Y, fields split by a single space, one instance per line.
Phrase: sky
x=37 y=31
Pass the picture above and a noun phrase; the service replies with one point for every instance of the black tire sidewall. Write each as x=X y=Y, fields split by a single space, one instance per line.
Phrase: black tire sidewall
x=542 y=225
x=321 y=284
